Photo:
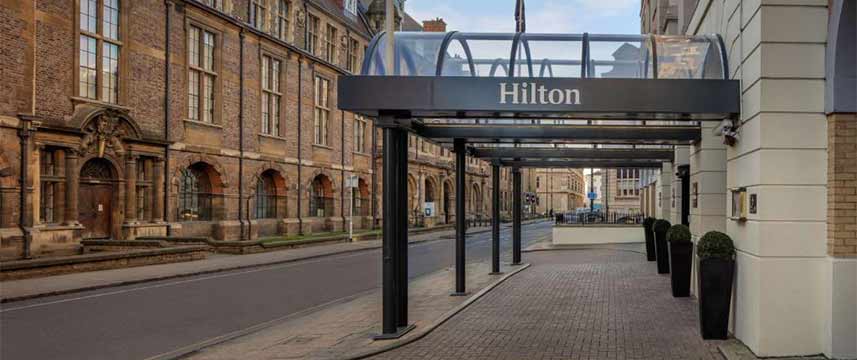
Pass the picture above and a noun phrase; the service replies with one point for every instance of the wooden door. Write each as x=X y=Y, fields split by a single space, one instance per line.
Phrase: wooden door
x=96 y=207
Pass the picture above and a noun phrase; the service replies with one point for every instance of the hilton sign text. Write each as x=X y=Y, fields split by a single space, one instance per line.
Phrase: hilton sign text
x=537 y=94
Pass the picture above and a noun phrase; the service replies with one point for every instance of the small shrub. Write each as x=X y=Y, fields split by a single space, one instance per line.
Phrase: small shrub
x=716 y=245
x=678 y=234
x=662 y=226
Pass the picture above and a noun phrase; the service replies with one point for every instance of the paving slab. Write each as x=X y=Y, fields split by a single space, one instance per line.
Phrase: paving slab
x=573 y=304
x=345 y=329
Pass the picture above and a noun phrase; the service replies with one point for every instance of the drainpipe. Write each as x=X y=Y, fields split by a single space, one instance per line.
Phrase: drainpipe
x=241 y=214
x=24 y=133
x=300 y=142
x=168 y=4
x=374 y=175
x=342 y=164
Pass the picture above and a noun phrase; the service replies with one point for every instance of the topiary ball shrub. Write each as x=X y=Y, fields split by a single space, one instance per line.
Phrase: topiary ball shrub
x=662 y=226
x=678 y=234
x=716 y=245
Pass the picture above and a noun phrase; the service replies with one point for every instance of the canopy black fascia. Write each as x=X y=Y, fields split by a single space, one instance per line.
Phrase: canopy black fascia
x=538 y=134
x=573 y=98
x=511 y=153
x=581 y=164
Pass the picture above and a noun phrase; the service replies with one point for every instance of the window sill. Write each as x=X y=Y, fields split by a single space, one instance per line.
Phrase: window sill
x=203 y=124
x=358 y=153
x=327 y=147
x=82 y=100
x=272 y=137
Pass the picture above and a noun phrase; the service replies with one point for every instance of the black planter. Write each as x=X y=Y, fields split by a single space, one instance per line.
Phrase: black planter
x=715 y=296
x=650 y=243
x=681 y=258
x=663 y=254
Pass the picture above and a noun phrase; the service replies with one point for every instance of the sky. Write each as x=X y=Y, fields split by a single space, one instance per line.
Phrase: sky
x=543 y=16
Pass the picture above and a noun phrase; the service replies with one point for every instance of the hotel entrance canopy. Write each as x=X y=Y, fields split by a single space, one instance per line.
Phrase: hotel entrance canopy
x=528 y=100
x=515 y=76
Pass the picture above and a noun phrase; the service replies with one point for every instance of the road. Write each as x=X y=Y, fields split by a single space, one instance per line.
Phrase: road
x=145 y=320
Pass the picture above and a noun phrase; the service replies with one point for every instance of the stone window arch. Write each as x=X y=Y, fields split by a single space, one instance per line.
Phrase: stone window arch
x=199 y=193
x=321 y=197
x=270 y=195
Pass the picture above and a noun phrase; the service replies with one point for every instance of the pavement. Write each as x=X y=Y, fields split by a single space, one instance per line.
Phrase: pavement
x=572 y=304
x=189 y=308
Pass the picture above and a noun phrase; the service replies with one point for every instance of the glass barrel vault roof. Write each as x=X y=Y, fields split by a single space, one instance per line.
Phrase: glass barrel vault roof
x=550 y=55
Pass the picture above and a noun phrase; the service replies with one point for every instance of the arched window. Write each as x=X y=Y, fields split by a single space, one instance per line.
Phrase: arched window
x=321 y=197
x=194 y=194
x=266 y=196
x=360 y=198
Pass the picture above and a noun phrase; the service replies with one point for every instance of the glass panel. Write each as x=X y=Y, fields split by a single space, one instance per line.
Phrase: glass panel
x=682 y=57
x=87 y=66
x=193 y=95
x=89 y=15
x=489 y=52
x=619 y=56
x=110 y=72
x=208 y=51
x=110 y=26
x=193 y=46
x=552 y=55
x=416 y=54
x=208 y=99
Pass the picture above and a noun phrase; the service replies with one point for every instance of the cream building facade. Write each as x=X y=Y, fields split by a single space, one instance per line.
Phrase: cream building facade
x=792 y=168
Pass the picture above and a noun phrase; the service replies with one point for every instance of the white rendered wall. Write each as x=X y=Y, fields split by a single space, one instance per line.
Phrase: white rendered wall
x=590 y=235
x=664 y=186
x=790 y=298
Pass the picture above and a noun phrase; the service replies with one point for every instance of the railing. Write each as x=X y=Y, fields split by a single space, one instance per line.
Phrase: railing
x=320 y=206
x=194 y=207
x=598 y=217
x=362 y=206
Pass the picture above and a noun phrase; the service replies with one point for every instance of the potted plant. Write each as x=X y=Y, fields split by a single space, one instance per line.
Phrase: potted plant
x=648 y=224
x=716 y=272
x=681 y=257
x=663 y=255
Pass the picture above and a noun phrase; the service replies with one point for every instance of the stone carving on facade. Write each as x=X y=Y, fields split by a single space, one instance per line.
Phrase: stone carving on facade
x=104 y=133
x=299 y=17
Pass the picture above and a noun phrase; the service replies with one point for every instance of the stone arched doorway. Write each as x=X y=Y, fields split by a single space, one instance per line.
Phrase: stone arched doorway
x=430 y=197
x=98 y=208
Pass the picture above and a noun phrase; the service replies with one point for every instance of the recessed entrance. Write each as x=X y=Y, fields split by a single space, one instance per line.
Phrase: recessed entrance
x=95 y=212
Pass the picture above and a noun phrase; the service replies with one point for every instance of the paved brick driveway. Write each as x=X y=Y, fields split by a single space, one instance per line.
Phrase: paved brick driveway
x=574 y=304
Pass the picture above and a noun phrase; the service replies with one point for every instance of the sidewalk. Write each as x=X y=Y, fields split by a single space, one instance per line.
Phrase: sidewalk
x=573 y=304
x=62 y=284
x=345 y=330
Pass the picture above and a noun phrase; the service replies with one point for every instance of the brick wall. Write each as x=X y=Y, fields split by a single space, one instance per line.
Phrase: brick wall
x=842 y=185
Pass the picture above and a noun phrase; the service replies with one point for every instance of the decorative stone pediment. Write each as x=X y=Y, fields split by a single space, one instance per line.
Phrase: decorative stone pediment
x=104 y=130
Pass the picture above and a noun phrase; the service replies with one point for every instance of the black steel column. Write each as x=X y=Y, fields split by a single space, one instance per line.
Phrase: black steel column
x=402 y=228
x=460 y=214
x=390 y=194
x=516 y=216
x=495 y=219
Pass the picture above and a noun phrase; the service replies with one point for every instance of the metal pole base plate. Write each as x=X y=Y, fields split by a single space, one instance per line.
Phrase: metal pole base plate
x=496 y=273
x=515 y=264
x=399 y=333
x=459 y=294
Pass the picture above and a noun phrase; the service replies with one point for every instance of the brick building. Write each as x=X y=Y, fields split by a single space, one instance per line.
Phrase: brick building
x=209 y=118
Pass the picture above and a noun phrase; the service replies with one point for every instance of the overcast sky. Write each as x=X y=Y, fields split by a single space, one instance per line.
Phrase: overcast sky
x=543 y=16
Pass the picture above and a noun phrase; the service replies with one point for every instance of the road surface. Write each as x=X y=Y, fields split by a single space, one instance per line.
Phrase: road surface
x=145 y=320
